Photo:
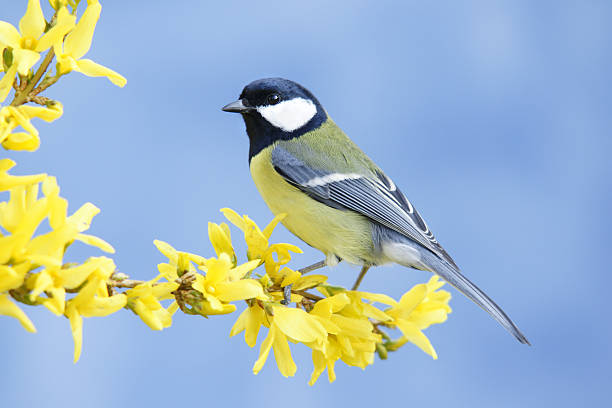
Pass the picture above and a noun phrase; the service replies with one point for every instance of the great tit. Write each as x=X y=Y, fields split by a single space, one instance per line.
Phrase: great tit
x=336 y=199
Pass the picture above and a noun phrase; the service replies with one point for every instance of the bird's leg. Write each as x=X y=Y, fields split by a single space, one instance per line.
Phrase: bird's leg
x=312 y=267
x=287 y=289
x=364 y=269
x=286 y=295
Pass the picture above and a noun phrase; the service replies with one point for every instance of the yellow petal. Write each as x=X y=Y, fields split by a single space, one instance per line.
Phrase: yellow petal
x=32 y=24
x=408 y=302
x=282 y=355
x=217 y=269
x=270 y=227
x=46 y=114
x=414 y=335
x=309 y=281
x=238 y=290
x=41 y=282
x=289 y=276
x=76 y=327
x=21 y=142
x=96 y=242
x=423 y=320
x=163 y=291
x=413 y=297
x=319 y=363
x=377 y=297
x=87 y=293
x=173 y=308
x=329 y=326
x=233 y=217
x=354 y=327
x=83 y=216
x=434 y=283
x=8 y=308
x=9 y=278
x=78 y=41
x=6 y=84
x=9 y=35
x=57 y=302
x=65 y=23
x=104 y=306
x=240 y=271
x=167 y=271
x=167 y=250
x=226 y=308
x=298 y=325
x=219 y=240
x=254 y=320
x=25 y=60
x=92 y=69
x=6 y=165
x=330 y=305
x=240 y=323
x=213 y=302
x=265 y=349
x=147 y=315
x=7 y=181
x=374 y=313
x=250 y=320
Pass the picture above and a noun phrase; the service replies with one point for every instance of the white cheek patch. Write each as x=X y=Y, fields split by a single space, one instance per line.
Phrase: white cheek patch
x=289 y=115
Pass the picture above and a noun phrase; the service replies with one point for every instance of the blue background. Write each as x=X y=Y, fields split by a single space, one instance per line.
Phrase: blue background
x=493 y=117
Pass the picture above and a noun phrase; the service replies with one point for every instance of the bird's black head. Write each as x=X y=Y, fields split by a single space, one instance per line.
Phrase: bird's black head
x=276 y=109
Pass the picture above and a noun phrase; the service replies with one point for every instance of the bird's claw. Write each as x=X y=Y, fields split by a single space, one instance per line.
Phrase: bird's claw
x=286 y=295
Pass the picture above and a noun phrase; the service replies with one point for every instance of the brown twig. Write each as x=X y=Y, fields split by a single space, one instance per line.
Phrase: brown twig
x=307 y=295
x=44 y=85
x=124 y=283
x=22 y=97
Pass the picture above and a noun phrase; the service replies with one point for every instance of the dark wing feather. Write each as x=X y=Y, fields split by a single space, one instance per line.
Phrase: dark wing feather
x=375 y=198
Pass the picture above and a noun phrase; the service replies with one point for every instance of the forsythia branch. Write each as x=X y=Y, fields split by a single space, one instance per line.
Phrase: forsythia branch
x=335 y=323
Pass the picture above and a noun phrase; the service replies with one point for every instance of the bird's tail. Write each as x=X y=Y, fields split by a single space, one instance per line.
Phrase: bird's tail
x=465 y=286
x=452 y=275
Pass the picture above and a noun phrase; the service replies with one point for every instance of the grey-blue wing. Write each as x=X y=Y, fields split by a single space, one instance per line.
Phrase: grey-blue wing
x=375 y=197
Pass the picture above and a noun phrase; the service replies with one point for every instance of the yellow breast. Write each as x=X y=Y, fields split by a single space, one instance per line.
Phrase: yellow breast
x=344 y=234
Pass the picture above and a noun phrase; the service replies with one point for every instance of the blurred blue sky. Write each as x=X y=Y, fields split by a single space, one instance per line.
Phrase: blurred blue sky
x=492 y=116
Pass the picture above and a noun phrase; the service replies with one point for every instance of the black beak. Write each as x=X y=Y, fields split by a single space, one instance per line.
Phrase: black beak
x=240 y=106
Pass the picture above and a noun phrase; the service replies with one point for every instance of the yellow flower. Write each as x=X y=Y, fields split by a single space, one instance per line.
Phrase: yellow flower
x=92 y=300
x=145 y=298
x=285 y=324
x=258 y=241
x=31 y=39
x=224 y=283
x=24 y=212
x=417 y=309
x=351 y=335
x=55 y=280
x=7 y=181
x=12 y=117
x=179 y=262
x=77 y=43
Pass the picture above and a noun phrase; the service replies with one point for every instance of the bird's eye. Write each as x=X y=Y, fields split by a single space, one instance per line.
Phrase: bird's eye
x=273 y=99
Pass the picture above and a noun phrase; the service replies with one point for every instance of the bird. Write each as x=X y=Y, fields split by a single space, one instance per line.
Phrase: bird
x=336 y=199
